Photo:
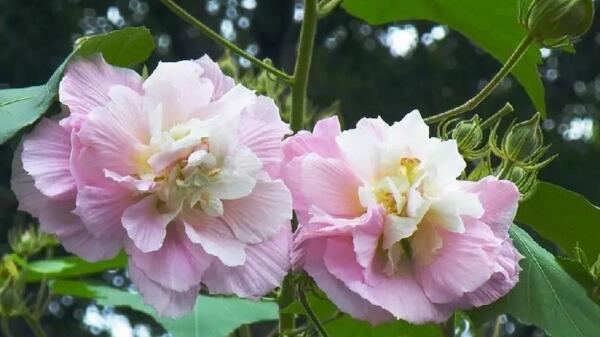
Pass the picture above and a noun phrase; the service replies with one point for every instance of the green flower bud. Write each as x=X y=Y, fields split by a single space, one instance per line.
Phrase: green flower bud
x=556 y=20
x=523 y=140
x=468 y=134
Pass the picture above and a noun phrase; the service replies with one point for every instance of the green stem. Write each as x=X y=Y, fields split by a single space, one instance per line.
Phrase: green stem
x=303 y=60
x=287 y=321
x=311 y=314
x=489 y=88
x=506 y=109
x=34 y=324
x=211 y=34
x=326 y=6
x=5 y=327
x=497 y=325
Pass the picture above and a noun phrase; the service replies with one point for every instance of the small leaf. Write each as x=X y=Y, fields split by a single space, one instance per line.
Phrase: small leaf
x=211 y=317
x=546 y=296
x=71 y=266
x=563 y=217
x=491 y=24
x=21 y=107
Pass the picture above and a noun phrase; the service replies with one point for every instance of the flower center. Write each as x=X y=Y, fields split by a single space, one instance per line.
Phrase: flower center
x=392 y=190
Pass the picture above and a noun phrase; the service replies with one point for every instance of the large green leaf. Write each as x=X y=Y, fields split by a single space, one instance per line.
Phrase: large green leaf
x=211 y=317
x=346 y=326
x=22 y=106
x=563 y=217
x=546 y=296
x=69 y=267
x=491 y=24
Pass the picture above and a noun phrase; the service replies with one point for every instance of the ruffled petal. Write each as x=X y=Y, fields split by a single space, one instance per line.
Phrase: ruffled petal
x=321 y=141
x=31 y=200
x=167 y=302
x=146 y=224
x=262 y=130
x=330 y=185
x=220 y=81
x=215 y=237
x=181 y=262
x=266 y=265
x=463 y=264
x=46 y=157
x=260 y=215
x=87 y=81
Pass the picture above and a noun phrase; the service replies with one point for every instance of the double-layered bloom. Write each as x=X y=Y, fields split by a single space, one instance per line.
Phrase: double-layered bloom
x=387 y=230
x=181 y=170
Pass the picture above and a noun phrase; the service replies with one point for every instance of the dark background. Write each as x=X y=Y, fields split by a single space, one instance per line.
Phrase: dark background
x=363 y=66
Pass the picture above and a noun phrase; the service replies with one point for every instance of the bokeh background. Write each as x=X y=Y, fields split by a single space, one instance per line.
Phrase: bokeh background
x=373 y=70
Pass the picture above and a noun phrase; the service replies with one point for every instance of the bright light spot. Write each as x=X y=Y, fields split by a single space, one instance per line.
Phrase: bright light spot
x=114 y=16
x=141 y=330
x=227 y=30
x=249 y=4
x=298 y=12
x=212 y=6
x=579 y=129
x=546 y=52
x=439 y=32
x=400 y=40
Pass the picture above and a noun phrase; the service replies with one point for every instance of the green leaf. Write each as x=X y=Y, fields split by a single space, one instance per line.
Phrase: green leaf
x=546 y=296
x=211 y=317
x=563 y=217
x=491 y=24
x=21 y=107
x=346 y=326
x=69 y=267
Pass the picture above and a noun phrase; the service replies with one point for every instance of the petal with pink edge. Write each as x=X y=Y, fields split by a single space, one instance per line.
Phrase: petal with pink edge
x=167 y=302
x=463 y=264
x=266 y=265
x=31 y=200
x=401 y=295
x=262 y=130
x=181 y=262
x=56 y=218
x=215 y=236
x=146 y=224
x=46 y=155
x=500 y=199
x=101 y=209
x=220 y=81
x=260 y=215
x=502 y=281
x=321 y=141
x=86 y=83
x=346 y=300
x=330 y=185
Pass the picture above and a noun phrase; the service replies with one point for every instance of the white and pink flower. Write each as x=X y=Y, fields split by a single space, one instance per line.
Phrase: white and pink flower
x=181 y=170
x=387 y=230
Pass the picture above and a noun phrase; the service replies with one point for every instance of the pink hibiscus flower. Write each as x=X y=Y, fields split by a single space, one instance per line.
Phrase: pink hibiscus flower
x=181 y=170
x=387 y=230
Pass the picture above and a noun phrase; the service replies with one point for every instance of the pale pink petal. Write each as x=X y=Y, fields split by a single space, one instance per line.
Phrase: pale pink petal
x=292 y=175
x=361 y=151
x=101 y=209
x=109 y=142
x=400 y=294
x=178 y=265
x=260 y=215
x=463 y=264
x=266 y=265
x=411 y=132
x=502 y=281
x=444 y=163
x=29 y=197
x=131 y=183
x=232 y=102
x=346 y=300
x=46 y=154
x=330 y=185
x=57 y=218
x=167 y=302
x=500 y=199
x=86 y=83
x=262 y=130
x=146 y=223
x=215 y=236
x=180 y=88
x=321 y=141
x=220 y=81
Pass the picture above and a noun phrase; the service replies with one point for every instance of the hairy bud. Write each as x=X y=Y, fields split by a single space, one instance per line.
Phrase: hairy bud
x=468 y=134
x=523 y=140
x=549 y=21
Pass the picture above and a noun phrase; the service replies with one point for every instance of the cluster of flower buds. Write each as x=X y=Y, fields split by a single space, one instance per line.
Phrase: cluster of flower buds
x=522 y=151
x=556 y=22
x=468 y=135
x=29 y=241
